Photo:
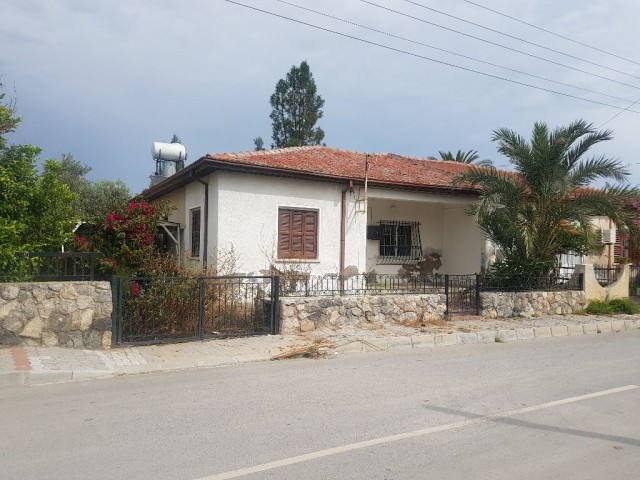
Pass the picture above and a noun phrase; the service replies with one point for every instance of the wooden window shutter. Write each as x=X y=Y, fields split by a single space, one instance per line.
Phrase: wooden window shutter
x=284 y=233
x=297 y=233
x=310 y=235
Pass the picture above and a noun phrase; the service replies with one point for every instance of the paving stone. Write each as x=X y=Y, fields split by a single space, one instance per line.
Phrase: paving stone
x=446 y=339
x=559 y=331
x=604 y=327
x=506 y=336
x=351 y=347
x=398 y=342
x=525 y=334
x=487 y=336
x=419 y=341
x=466 y=338
x=575 y=330
x=632 y=324
x=617 y=325
x=542 y=332
x=590 y=328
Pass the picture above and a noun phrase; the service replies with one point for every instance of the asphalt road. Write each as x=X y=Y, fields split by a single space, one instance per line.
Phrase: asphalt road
x=562 y=408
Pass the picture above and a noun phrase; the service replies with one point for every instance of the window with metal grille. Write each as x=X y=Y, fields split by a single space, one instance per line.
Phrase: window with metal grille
x=297 y=233
x=195 y=232
x=400 y=240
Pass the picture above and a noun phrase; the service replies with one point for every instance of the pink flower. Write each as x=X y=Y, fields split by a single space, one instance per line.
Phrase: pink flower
x=135 y=289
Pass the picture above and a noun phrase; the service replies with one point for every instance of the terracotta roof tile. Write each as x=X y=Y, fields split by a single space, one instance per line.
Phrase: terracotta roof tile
x=384 y=168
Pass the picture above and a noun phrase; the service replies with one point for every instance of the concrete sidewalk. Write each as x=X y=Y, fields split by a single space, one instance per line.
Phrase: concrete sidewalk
x=41 y=365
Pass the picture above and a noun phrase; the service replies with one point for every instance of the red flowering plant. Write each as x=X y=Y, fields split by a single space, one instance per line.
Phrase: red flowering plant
x=126 y=239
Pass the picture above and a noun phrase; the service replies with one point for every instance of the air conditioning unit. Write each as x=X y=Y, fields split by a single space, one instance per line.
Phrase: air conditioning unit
x=609 y=236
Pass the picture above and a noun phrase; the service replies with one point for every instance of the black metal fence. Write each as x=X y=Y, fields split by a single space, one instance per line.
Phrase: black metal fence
x=301 y=285
x=156 y=310
x=53 y=267
x=522 y=283
x=462 y=293
x=606 y=276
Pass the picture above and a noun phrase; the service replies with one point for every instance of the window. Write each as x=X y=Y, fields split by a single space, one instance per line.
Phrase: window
x=195 y=232
x=297 y=233
x=400 y=240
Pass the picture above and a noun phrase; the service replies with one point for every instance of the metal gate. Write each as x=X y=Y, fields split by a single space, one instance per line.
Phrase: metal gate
x=462 y=294
x=169 y=309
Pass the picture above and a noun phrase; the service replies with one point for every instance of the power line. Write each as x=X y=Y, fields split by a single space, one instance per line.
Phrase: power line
x=415 y=55
x=382 y=32
x=520 y=39
x=499 y=45
x=551 y=33
x=620 y=112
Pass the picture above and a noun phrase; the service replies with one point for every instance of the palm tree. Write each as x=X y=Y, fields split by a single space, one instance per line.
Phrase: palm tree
x=544 y=208
x=464 y=157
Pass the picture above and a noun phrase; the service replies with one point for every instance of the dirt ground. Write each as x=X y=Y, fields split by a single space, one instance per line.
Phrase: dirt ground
x=465 y=324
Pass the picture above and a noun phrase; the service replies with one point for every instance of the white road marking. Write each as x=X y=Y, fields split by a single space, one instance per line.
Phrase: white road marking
x=402 y=436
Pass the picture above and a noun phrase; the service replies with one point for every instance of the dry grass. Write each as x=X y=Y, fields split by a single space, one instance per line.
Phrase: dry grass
x=319 y=348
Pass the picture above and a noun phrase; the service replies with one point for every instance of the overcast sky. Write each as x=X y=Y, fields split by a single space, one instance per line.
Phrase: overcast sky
x=103 y=79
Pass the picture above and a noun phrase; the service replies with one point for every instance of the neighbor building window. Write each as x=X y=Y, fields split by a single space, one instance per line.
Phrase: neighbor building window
x=195 y=232
x=297 y=233
x=399 y=239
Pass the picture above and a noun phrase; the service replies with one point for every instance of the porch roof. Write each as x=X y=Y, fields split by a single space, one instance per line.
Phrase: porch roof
x=328 y=164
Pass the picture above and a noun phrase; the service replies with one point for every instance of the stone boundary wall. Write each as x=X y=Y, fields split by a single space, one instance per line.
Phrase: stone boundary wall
x=65 y=314
x=530 y=304
x=307 y=313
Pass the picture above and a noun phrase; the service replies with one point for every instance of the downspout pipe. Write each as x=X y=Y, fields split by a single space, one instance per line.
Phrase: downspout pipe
x=343 y=232
x=205 y=242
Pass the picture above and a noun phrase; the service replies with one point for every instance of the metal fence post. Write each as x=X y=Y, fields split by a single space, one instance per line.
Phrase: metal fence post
x=115 y=317
x=275 y=305
x=446 y=293
x=201 y=293
x=478 y=294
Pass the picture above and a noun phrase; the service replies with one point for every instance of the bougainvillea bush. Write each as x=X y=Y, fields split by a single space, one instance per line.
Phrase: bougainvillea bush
x=126 y=239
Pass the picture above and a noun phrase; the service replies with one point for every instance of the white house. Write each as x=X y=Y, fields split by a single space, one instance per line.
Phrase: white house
x=325 y=209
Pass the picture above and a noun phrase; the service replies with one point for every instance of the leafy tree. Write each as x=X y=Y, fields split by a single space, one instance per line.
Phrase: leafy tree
x=464 y=157
x=93 y=198
x=258 y=144
x=8 y=118
x=545 y=207
x=296 y=107
x=101 y=197
x=36 y=210
x=73 y=173
x=175 y=139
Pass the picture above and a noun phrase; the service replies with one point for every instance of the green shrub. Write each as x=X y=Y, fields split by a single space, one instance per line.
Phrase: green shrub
x=624 y=305
x=611 y=307
x=597 y=307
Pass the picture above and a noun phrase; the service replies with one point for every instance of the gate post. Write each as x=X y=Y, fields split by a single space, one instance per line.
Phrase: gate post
x=200 y=308
x=117 y=291
x=446 y=293
x=477 y=294
x=275 y=305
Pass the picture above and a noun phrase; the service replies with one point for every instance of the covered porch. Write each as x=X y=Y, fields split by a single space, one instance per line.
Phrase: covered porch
x=422 y=232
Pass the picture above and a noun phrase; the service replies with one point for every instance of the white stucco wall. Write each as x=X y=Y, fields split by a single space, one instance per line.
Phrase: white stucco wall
x=429 y=215
x=463 y=242
x=247 y=219
x=194 y=198
x=445 y=228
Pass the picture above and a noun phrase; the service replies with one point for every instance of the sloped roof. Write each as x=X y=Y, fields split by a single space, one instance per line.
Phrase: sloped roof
x=317 y=162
